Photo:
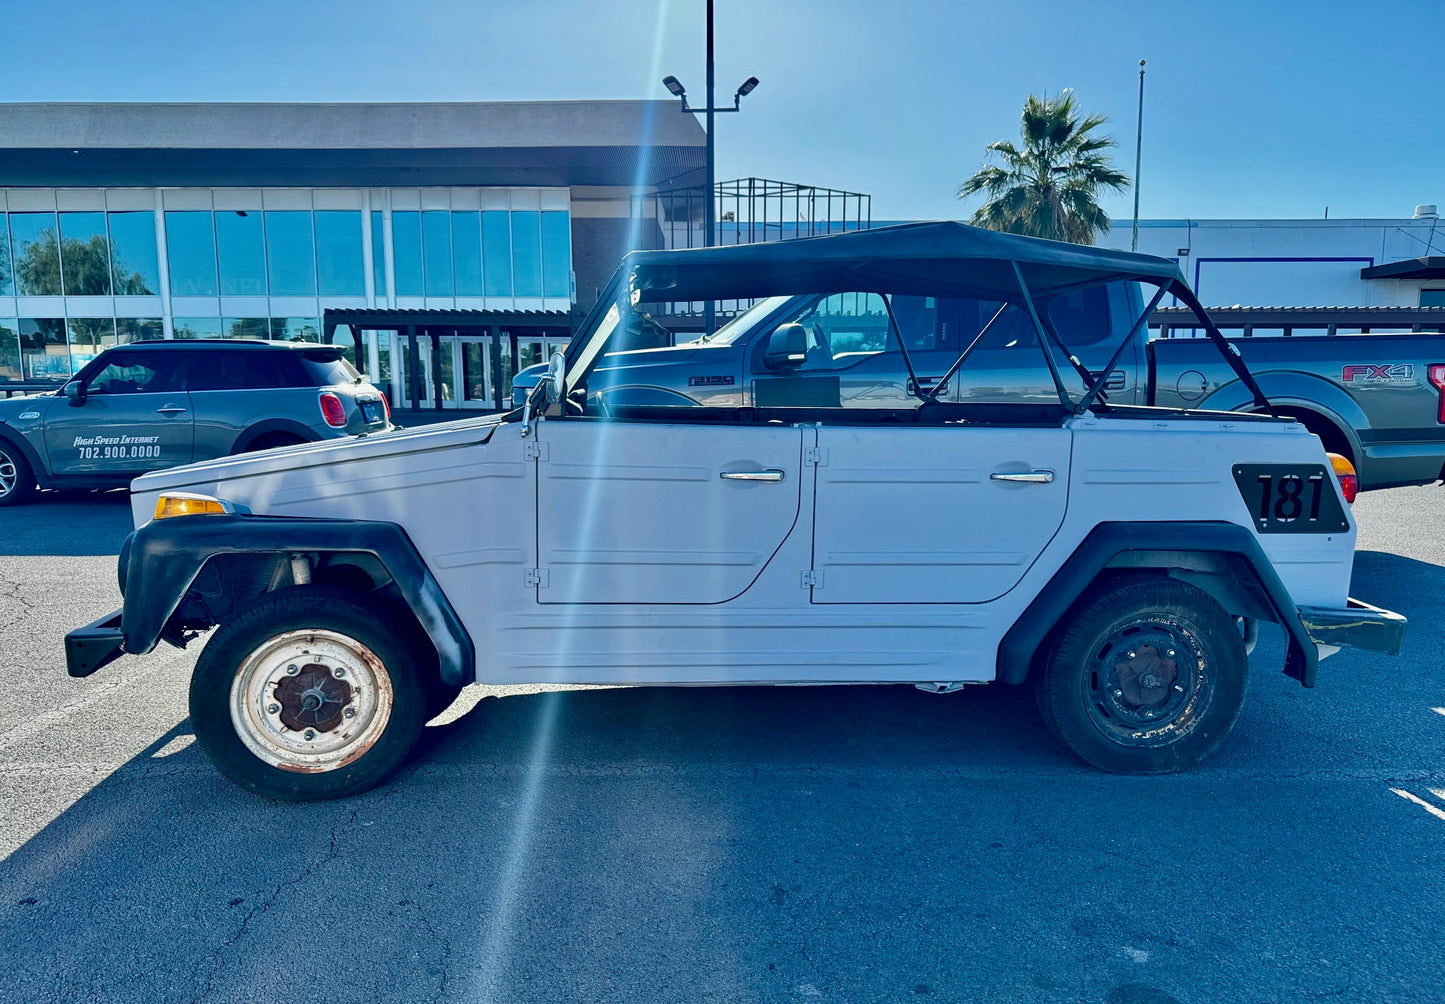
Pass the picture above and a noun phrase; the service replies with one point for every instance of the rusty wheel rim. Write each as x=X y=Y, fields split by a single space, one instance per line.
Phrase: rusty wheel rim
x=310 y=701
x=1147 y=681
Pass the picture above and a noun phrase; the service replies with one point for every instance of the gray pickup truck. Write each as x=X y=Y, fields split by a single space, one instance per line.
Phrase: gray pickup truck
x=1378 y=399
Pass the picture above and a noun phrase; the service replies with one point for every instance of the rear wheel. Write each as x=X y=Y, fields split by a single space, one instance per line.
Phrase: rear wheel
x=1147 y=676
x=17 y=480
x=308 y=693
x=272 y=440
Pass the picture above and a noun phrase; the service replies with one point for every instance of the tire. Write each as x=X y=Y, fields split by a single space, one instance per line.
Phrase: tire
x=272 y=440
x=1115 y=686
x=252 y=695
x=17 y=480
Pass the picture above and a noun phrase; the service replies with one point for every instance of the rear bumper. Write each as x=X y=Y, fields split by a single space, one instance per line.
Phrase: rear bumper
x=97 y=644
x=1358 y=625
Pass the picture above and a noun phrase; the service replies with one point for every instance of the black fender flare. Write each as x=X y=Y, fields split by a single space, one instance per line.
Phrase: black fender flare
x=289 y=426
x=164 y=557
x=17 y=442
x=1107 y=542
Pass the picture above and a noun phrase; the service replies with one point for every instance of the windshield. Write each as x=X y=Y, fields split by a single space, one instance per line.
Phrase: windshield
x=742 y=324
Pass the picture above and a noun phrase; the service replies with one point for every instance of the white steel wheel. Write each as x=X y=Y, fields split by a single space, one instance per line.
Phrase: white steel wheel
x=311 y=692
x=308 y=701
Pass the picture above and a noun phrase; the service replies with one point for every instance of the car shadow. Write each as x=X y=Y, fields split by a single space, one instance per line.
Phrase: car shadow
x=166 y=882
x=67 y=524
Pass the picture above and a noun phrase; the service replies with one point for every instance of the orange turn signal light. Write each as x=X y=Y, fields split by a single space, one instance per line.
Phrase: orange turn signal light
x=186 y=504
x=1345 y=474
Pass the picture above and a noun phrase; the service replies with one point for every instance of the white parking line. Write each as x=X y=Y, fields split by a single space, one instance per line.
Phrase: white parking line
x=54 y=717
x=1435 y=811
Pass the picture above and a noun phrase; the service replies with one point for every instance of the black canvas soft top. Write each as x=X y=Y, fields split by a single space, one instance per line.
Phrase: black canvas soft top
x=937 y=258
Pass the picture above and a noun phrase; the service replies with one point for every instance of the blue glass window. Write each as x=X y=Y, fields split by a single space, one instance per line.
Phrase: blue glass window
x=338 y=253
x=406 y=252
x=497 y=252
x=133 y=267
x=241 y=248
x=9 y=349
x=378 y=255
x=527 y=254
x=5 y=287
x=191 y=253
x=467 y=252
x=44 y=354
x=134 y=329
x=556 y=254
x=85 y=255
x=196 y=327
x=436 y=237
x=89 y=337
x=246 y=327
x=290 y=254
x=295 y=329
x=37 y=255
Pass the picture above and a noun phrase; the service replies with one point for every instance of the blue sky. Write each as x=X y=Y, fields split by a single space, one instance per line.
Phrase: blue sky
x=1262 y=109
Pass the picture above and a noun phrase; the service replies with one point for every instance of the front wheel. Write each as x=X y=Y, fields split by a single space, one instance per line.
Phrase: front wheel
x=308 y=693
x=1146 y=676
x=17 y=480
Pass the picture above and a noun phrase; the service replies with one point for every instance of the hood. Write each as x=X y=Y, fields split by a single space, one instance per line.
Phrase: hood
x=204 y=476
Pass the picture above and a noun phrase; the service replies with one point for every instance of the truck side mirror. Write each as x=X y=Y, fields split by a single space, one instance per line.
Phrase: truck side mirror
x=74 y=393
x=787 y=347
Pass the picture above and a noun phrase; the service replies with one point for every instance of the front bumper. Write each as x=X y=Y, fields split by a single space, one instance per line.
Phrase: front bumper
x=97 y=644
x=1358 y=625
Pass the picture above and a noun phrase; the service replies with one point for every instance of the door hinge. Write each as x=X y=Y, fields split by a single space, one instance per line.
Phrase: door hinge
x=811 y=579
x=537 y=578
x=817 y=456
x=534 y=450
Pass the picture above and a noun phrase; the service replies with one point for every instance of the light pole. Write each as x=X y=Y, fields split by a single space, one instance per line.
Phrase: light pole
x=1138 y=145
x=675 y=88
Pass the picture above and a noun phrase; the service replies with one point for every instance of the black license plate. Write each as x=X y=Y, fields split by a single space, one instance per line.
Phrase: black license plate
x=371 y=411
x=1291 y=498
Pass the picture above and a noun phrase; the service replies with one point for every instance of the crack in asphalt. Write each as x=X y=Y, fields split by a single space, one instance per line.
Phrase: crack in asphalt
x=12 y=590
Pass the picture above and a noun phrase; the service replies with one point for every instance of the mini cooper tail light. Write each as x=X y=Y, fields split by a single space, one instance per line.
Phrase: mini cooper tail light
x=1437 y=379
x=186 y=504
x=333 y=411
x=1345 y=474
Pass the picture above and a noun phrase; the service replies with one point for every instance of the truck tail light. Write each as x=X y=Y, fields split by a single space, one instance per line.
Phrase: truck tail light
x=386 y=407
x=332 y=410
x=1437 y=378
x=1345 y=474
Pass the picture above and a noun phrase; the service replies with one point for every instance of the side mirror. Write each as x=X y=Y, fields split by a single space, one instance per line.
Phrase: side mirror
x=556 y=371
x=74 y=393
x=787 y=347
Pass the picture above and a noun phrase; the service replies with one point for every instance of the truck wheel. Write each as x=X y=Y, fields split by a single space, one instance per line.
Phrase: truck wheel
x=308 y=693
x=17 y=481
x=1146 y=676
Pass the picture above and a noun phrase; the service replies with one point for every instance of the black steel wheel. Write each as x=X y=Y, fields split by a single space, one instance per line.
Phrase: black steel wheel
x=1146 y=676
x=17 y=480
x=311 y=692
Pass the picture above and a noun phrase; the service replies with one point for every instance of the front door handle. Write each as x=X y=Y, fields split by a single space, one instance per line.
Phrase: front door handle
x=170 y=409
x=772 y=475
x=1030 y=478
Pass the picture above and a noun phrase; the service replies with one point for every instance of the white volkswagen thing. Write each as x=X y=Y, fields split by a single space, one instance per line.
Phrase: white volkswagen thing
x=854 y=510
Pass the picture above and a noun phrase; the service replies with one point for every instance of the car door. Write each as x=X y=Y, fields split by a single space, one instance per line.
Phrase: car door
x=934 y=514
x=133 y=416
x=655 y=512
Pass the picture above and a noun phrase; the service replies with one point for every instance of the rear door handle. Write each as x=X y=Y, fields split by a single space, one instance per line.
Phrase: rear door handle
x=170 y=409
x=771 y=475
x=1030 y=478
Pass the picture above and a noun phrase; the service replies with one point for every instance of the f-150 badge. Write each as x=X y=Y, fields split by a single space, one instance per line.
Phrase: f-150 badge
x=1382 y=373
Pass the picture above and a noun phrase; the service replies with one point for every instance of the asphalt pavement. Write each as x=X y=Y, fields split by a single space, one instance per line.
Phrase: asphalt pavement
x=724 y=844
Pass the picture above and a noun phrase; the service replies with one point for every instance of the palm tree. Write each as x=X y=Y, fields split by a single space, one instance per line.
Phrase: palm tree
x=1050 y=188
